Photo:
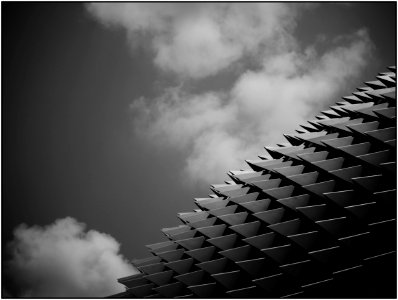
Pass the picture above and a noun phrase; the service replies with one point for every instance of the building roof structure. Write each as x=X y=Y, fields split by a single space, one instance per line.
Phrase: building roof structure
x=317 y=220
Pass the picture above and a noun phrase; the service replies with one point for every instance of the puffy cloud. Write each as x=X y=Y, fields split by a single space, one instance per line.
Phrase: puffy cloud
x=63 y=260
x=197 y=39
x=216 y=130
x=219 y=130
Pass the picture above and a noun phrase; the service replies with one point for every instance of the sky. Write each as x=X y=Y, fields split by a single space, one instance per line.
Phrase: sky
x=116 y=115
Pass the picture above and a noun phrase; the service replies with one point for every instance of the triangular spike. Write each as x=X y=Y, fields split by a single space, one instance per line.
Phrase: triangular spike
x=388 y=113
x=310 y=128
x=352 y=99
x=363 y=96
x=390 y=95
x=292 y=139
x=376 y=84
x=364 y=88
x=331 y=113
x=388 y=81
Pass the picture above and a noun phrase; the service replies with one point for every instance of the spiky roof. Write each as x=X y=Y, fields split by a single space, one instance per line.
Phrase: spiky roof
x=315 y=220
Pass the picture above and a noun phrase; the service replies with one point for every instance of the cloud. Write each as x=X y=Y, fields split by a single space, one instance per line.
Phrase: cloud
x=282 y=82
x=63 y=260
x=197 y=40
x=218 y=130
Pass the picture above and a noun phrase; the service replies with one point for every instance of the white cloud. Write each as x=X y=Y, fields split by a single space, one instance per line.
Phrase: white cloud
x=217 y=130
x=196 y=39
x=220 y=130
x=63 y=260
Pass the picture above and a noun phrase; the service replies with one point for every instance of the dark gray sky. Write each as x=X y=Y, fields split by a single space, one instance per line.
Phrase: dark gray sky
x=68 y=137
x=70 y=142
